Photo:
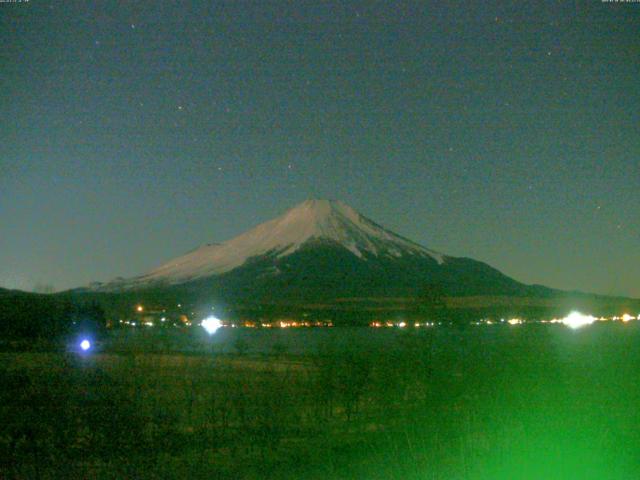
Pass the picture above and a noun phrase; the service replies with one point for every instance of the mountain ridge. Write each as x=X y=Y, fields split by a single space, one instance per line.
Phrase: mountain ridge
x=320 y=250
x=323 y=256
x=312 y=220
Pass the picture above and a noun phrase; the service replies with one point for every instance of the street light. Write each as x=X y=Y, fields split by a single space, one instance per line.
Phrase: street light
x=211 y=324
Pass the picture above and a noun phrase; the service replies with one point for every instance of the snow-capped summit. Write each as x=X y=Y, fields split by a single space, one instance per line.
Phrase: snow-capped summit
x=313 y=220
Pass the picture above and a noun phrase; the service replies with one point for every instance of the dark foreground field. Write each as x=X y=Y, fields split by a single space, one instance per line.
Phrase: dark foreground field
x=480 y=403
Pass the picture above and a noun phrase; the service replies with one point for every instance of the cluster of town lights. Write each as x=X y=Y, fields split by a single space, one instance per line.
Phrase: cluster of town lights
x=211 y=324
x=402 y=324
x=574 y=320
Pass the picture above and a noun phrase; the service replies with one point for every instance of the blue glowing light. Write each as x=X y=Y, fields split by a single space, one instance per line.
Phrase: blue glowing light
x=85 y=345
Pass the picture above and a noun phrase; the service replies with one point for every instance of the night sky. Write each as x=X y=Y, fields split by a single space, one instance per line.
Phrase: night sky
x=133 y=132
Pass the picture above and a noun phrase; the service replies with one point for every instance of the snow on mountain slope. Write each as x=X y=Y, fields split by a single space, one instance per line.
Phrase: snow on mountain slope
x=322 y=220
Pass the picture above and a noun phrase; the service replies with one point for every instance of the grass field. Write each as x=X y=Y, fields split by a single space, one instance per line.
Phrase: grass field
x=529 y=402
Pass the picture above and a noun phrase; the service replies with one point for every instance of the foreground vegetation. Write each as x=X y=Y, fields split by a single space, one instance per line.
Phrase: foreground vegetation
x=524 y=402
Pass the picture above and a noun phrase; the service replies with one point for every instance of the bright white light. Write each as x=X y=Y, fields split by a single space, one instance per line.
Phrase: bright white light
x=85 y=345
x=211 y=324
x=576 y=320
x=402 y=324
x=626 y=317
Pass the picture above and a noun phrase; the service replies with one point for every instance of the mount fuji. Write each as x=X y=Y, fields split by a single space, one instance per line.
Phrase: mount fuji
x=320 y=250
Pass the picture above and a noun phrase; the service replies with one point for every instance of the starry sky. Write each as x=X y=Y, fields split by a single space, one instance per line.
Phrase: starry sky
x=508 y=132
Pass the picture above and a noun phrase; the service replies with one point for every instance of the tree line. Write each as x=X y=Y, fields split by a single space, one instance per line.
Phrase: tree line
x=34 y=316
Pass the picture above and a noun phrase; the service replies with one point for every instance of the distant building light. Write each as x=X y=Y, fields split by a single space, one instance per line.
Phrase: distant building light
x=626 y=317
x=139 y=308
